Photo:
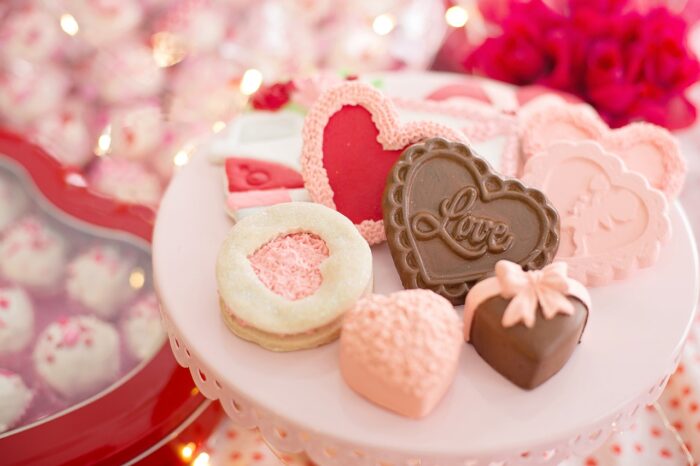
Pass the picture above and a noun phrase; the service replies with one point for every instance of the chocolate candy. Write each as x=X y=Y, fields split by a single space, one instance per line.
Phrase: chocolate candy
x=526 y=356
x=449 y=219
x=526 y=325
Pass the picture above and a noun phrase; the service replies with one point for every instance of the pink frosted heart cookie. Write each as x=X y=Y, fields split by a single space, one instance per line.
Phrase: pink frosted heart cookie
x=645 y=148
x=401 y=351
x=288 y=273
x=612 y=221
x=351 y=139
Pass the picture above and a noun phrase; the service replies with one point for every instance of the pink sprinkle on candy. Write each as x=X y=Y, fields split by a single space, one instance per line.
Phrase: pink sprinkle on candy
x=289 y=265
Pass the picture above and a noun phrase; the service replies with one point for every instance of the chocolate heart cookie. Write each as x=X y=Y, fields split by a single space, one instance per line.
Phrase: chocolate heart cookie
x=449 y=219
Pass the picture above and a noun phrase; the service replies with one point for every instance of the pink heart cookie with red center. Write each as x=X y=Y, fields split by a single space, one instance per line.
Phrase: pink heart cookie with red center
x=612 y=221
x=401 y=351
x=645 y=148
x=351 y=138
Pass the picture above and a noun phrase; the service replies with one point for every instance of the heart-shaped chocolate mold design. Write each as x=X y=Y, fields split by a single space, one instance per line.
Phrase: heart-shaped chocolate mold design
x=449 y=218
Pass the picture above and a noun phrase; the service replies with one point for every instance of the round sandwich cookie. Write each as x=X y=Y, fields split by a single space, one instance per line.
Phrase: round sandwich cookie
x=287 y=274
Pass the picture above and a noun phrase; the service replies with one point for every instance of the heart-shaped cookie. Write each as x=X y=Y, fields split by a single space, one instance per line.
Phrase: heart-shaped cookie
x=449 y=219
x=401 y=351
x=612 y=221
x=645 y=148
x=351 y=139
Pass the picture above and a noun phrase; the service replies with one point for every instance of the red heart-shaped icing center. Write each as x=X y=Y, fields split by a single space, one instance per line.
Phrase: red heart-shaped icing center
x=357 y=165
x=352 y=138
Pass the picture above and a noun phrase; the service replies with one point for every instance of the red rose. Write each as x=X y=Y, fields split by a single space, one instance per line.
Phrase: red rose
x=272 y=97
x=526 y=50
x=629 y=65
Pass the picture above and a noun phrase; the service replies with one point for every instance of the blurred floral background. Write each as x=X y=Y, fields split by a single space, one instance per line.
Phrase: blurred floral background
x=126 y=88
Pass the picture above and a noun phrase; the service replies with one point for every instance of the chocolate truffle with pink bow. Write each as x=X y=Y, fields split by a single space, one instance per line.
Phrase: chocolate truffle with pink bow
x=526 y=324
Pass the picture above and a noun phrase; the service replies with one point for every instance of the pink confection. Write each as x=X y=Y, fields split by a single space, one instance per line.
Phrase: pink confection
x=136 y=130
x=356 y=123
x=612 y=221
x=289 y=265
x=98 y=279
x=15 y=399
x=16 y=320
x=28 y=92
x=32 y=255
x=199 y=25
x=401 y=351
x=104 y=22
x=125 y=180
x=142 y=328
x=65 y=134
x=77 y=356
x=205 y=75
x=13 y=202
x=645 y=148
x=549 y=288
x=30 y=32
x=125 y=71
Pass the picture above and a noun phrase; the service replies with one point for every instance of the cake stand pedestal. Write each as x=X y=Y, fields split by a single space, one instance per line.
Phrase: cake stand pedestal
x=300 y=404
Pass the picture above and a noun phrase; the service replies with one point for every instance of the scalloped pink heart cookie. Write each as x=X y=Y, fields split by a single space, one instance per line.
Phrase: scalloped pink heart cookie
x=612 y=221
x=351 y=139
x=401 y=351
x=645 y=148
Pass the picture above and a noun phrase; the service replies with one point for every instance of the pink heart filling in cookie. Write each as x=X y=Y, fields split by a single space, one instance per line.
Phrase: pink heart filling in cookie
x=289 y=264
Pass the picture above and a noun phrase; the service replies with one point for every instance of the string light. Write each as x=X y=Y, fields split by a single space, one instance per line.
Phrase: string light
x=251 y=81
x=104 y=142
x=187 y=451
x=137 y=278
x=201 y=460
x=456 y=16
x=218 y=126
x=168 y=50
x=384 y=24
x=69 y=24
x=182 y=157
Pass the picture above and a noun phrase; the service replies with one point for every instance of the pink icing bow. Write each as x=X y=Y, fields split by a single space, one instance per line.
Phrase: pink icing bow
x=548 y=288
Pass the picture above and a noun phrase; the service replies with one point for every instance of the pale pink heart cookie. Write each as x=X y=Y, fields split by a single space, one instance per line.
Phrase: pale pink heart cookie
x=351 y=139
x=612 y=221
x=645 y=148
x=401 y=351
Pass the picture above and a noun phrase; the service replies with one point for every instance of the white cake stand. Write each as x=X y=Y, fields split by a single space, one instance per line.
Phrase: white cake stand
x=298 y=400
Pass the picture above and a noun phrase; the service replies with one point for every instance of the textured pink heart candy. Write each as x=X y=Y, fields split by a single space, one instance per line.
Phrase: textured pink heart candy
x=401 y=351
x=612 y=221
x=645 y=148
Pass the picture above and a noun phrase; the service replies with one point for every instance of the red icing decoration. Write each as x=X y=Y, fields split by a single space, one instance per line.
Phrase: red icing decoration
x=353 y=158
x=272 y=97
x=249 y=174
